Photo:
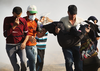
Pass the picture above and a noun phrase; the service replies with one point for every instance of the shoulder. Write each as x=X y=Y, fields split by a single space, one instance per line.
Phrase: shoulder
x=25 y=17
x=80 y=19
x=63 y=18
x=23 y=20
x=7 y=19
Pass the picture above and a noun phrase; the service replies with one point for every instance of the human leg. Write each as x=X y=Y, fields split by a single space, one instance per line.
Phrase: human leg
x=31 y=57
x=77 y=59
x=22 y=56
x=40 y=60
x=68 y=59
x=91 y=64
x=34 y=50
x=11 y=51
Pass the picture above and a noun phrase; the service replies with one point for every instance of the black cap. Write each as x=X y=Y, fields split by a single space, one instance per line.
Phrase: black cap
x=72 y=9
x=93 y=18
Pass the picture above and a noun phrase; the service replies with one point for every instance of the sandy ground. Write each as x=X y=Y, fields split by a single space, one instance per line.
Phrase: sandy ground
x=54 y=68
x=45 y=68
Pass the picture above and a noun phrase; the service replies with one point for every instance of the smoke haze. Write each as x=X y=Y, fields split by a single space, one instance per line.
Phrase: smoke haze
x=57 y=9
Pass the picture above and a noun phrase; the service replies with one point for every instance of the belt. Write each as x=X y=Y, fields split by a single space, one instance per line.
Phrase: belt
x=12 y=44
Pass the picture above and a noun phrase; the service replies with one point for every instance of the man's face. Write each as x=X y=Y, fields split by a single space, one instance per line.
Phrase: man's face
x=95 y=21
x=42 y=19
x=17 y=15
x=72 y=16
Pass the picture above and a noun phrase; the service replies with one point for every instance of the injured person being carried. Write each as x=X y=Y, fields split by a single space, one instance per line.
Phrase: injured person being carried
x=67 y=39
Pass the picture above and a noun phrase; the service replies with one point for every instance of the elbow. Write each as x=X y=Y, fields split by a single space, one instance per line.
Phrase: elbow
x=4 y=34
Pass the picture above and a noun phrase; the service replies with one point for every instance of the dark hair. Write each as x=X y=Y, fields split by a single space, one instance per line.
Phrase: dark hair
x=72 y=9
x=41 y=17
x=17 y=10
x=93 y=18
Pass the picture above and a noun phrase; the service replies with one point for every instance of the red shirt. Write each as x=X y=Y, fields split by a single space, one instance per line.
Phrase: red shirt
x=14 y=36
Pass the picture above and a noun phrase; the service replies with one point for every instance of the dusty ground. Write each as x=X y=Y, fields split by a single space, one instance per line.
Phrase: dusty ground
x=54 y=68
x=46 y=68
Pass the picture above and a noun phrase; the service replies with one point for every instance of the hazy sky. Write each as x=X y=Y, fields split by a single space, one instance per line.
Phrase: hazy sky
x=57 y=9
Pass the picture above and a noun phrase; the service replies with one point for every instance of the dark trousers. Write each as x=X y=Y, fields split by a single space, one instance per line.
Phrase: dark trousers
x=12 y=50
x=95 y=43
x=72 y=55
x=40 y=60
x=91 y=64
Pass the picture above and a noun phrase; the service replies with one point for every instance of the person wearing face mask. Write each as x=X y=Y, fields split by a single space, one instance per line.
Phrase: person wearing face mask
x=13 y=29
x=31 y=49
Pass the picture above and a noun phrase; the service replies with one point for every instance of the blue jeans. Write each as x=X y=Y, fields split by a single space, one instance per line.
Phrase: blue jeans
x=72 y=55
x=31 y=52
x=12 y=50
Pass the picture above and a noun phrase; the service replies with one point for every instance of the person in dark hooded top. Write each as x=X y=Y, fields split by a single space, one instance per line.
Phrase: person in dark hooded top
x=95 y=28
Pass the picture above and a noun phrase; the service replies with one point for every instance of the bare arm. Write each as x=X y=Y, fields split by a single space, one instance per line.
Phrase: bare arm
x=16 y=23
x=23 y=45
x=49 y=20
